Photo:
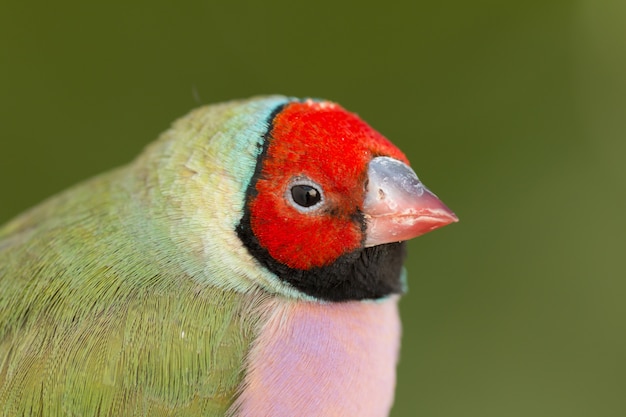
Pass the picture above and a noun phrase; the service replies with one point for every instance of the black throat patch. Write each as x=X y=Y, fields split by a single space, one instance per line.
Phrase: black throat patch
x=367 y=273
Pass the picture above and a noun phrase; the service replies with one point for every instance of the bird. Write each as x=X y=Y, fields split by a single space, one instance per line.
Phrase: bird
x=249 y=262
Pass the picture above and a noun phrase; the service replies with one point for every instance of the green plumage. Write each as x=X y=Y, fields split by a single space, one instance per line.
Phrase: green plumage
x=130 y=294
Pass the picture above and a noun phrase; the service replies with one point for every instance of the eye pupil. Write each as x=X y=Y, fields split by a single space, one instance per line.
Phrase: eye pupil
x=305 y=195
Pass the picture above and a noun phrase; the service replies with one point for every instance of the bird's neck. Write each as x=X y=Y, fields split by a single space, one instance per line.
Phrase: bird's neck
x=322 y=359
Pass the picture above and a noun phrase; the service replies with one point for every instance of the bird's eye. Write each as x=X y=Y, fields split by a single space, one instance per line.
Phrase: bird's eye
x=305 y=195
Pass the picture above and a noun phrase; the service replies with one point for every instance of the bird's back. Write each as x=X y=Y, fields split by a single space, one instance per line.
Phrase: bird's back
x=90 y=326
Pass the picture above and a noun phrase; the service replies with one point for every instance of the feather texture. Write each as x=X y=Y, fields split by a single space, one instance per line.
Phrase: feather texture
x=130 y=294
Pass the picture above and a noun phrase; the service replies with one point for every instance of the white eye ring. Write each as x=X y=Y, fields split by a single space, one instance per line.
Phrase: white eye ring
x=299 y=188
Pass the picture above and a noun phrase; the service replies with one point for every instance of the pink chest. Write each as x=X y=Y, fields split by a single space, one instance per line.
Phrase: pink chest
x=314 y=359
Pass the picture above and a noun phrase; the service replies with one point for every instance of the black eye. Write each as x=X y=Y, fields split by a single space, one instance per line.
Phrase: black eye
x=305 y=195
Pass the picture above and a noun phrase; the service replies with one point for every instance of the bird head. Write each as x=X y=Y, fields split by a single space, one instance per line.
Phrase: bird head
x=300 y=197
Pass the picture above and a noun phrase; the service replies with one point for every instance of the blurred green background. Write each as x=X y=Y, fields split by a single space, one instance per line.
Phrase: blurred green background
x=514 y=113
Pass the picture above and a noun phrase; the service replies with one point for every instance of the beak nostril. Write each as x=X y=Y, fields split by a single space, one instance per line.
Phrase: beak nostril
x=381 y=194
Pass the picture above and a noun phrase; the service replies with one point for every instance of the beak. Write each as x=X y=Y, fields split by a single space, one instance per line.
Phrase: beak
x=398 y=206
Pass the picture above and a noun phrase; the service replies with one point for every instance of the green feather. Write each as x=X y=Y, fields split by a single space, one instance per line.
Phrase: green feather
x=130 y=294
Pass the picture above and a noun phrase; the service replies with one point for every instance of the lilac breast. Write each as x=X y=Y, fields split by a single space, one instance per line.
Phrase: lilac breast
x=322 y=359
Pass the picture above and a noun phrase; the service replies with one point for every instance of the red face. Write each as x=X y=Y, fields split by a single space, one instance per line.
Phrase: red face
x=308 y=207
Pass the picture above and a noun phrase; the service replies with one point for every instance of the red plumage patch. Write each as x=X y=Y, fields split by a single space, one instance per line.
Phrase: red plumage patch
x=332 y=147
